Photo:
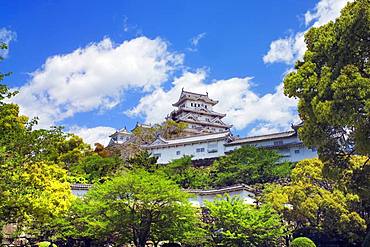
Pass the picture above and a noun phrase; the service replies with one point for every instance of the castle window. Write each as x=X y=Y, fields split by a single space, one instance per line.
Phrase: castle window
x=200 y=150
x=157 y=155
x=205 y=106
x=277 y=143
x=212 y=148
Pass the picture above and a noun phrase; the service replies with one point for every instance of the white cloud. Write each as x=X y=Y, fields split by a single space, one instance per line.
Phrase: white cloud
x=6 y=36
x=195 y=41
x=286 y=50
x=241 y=104
x=94 y=135
x=95 y=78
x=292 y=48
x=325 y=11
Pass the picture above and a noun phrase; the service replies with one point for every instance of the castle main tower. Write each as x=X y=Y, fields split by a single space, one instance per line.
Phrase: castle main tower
x=197 y=111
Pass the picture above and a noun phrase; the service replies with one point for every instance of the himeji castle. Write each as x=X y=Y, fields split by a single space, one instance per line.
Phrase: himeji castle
x=208 y=137
x=197 y=111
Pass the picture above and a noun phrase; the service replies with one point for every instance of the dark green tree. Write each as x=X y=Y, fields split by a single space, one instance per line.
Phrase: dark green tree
x=249 y=165
x=184 y=174
x=332 y=84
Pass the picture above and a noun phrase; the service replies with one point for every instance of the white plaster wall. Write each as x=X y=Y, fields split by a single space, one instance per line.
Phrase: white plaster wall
x=289 y=153
x=169 y=153
x=199 y=200
x=188 y=104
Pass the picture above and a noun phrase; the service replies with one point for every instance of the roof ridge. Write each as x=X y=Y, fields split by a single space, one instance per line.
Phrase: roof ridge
x=192 y=136
x=275 y=133
x=195 y=93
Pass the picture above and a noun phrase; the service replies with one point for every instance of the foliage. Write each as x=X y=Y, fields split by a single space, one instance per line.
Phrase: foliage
x=231 y=222
x=102 y=151
x=143 y=160
x=95 y=168
x=171 y=129
x=46 y=244
x=249 y=165
x=333 y=86
x=142 y=135
x=184 y=174
x=302 y=242
x=316 y=205
x=33 y=181
x=137 y=206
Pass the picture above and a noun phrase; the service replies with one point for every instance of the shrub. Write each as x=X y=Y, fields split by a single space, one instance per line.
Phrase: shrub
x=302 y=242
x=45 y=244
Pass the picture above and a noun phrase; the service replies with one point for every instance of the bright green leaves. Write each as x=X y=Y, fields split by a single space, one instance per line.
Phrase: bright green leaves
x=138 y=206
x=316 y=204
x=234 y=223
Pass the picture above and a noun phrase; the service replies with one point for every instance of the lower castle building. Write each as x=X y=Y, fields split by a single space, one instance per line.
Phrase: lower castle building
x=218 y=144
x=208 y=137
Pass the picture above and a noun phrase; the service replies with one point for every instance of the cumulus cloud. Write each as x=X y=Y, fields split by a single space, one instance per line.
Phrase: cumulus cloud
x=95 y=77
x=195 y=41
x=242 y=105
x=292 y=48
x=286 y=50
x=94 y=135
x=6 y=36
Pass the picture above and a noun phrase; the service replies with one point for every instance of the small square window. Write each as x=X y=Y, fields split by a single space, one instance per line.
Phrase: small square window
x=178 y=152
x=277 y=143
x=200 y=150
x=158 y=155
x=296 y=151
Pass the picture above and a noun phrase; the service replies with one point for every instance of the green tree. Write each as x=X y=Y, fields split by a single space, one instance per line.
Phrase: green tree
x=33 y=187
x=233 y=223
x=184 y=174
x=94 y=168
x=249 y=165
x=171 y=129
x=143 y=160
x=315 y=205
x=333 y=86
x=138 y=206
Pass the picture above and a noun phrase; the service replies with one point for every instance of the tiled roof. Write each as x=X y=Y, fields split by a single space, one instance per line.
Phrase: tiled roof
x=251 y=139
x=202 y=111
x=190 y=139
x=81 y=186
x=194 y=96
x=233 y=188
x=223 y=125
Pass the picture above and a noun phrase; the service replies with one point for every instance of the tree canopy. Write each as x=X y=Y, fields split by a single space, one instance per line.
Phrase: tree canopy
x=233 y=223
x=333 y=86
x=137 y=206
x=315 y=205
x=249 y=165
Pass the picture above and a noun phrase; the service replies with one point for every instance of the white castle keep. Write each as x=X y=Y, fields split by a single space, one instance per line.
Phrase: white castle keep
x=209 y=137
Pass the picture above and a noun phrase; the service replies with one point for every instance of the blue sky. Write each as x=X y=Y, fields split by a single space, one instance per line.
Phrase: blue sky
x=96 y=66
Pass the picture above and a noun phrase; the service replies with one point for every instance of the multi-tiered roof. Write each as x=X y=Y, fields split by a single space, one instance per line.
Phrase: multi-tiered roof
x=197 y=111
